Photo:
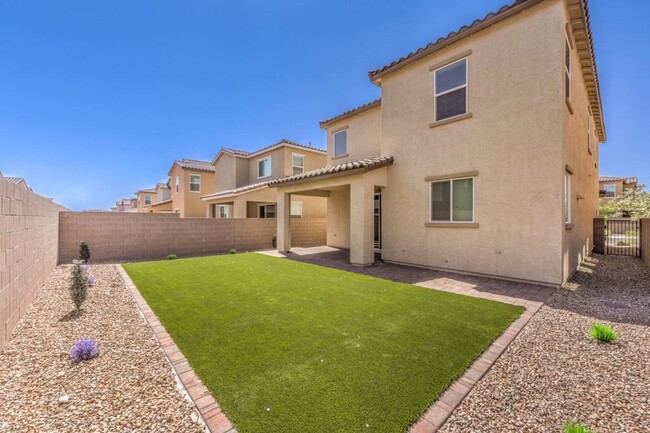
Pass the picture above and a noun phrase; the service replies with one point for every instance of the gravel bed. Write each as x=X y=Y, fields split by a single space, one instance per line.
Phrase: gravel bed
x=553 y=372
x=129 y=387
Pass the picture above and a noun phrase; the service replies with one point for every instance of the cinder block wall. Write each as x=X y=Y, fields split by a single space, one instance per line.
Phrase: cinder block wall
x=136 y=236
x=29 y=227
x=645 y=241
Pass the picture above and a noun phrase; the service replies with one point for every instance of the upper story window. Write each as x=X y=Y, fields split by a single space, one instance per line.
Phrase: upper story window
x=264 y=167
x=452 y=200
x=178 y=183
x=567 y=197
x=610 y=190
x=589 y=135
x=567 y=69
x=451 y=90
x=297 y=163
x=147 y=200
x=195 y=183
x=341 y=143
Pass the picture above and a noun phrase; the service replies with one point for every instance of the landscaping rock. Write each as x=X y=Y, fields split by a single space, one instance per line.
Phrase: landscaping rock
x=129 y=387
x=554 y=372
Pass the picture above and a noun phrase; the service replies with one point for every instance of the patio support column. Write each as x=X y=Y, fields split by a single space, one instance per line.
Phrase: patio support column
x=239 y=208
x=362 y=194
x=283 y=210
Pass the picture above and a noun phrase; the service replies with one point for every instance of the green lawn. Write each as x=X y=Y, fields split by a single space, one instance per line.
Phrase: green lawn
x=292 y=347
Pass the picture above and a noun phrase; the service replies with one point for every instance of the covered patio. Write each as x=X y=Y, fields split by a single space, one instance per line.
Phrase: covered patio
x=351 y=189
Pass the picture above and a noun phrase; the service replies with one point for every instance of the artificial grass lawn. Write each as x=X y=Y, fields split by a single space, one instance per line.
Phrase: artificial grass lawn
x=288 y=347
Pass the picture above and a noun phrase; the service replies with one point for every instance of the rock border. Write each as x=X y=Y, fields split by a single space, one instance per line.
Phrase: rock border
x=210 y=413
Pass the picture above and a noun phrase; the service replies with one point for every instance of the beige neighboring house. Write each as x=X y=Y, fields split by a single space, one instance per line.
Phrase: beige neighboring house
x=611 y=187
x=145 y=197
x=189 y=180
x=126 y=205
x=481 y=156
x=155 y=199
x=242 y=181
x=18 y=181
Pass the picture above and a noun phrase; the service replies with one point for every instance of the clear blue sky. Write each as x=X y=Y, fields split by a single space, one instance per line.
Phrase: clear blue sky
x=97 y=98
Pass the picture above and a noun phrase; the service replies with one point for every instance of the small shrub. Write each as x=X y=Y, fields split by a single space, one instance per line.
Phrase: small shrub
x=603 y=333
x=84 y=350
x=576 y=428
x=233 y=251
x=84 y=252
x=623 y=244
x=78 y=284
x=91 y=280
x=274 y=241
x=171 y=257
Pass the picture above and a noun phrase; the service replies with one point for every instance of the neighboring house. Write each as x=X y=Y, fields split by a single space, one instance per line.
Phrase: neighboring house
x=126 y=205
x=611 y=187
x=242 y=181
x=155 y=199
x=145 y=197
x=189 y=180
x=18 y=181
x=481 y=156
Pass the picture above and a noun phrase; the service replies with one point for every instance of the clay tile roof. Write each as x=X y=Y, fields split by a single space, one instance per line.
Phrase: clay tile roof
x=245 y=154
x=162 y=185
x=626 y=180
x=16 y=181
x=147 y=190
x=158 y=203
x=357 y=110
x=631 y=180
x=235 y=152
x=366 y=164
x=236 y=191
x=194 y=164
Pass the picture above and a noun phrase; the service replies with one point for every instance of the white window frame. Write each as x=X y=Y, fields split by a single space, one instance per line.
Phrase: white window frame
x=293 y=166
x=178 y=183
x=567 y=68
x=145 y=200
x=436 y=94
x=228 y=212
x=270 y=158
x=589 y=134
x=189 y=178
x=567 y=198
x=334 y=134
x=612 y=185
x=296 y=203
x=451 y=201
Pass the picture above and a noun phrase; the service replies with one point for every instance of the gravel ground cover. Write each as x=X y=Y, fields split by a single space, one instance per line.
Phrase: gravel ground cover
x=128 y=388
x=553 y=372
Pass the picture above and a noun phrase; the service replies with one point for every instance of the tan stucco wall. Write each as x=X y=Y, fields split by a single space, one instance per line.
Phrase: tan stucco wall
x=338 y=218
x=514 y=141
x=277 y=165
x=29 y=229
x=313 y=160
x=226 y=166
x=363 y=136
x=189 y=203
x=578 y=240
x=140 y=196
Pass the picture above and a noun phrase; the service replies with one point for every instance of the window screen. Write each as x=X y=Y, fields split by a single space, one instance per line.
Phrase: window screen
x=452 y=200
x=195 y=183
x=298 y=163
x=264 y=167
x=451 y=90
x=341 y=143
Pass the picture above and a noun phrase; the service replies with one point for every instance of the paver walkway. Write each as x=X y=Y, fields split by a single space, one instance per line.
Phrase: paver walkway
x=532 y=297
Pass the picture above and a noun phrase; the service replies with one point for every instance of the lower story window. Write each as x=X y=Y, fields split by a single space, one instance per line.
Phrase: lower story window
x=296 y=209
x=452 y=200
x=224 y=211
x=567 y=197
x=267 y=211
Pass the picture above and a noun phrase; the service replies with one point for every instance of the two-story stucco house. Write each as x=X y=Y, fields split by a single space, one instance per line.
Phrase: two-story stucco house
x=241 y=188
x=481 y=156
x=189 y=180
x=612 y=186
x=145 y=198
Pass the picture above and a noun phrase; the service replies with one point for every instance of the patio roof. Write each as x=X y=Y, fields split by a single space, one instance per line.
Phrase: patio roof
x=236 y=191
x=345 y=168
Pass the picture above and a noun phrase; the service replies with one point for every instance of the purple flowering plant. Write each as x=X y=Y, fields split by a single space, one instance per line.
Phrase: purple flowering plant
x=84 y=350
x=91 y=280
x=85 y=268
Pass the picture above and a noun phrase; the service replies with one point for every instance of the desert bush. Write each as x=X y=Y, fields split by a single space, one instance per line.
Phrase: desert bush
x=84 y=350
x=84 y=252
x=274 y=241
x=576 y=428
x=78 y=284
x=233 y=251
x=603 y=333
x=171 y=257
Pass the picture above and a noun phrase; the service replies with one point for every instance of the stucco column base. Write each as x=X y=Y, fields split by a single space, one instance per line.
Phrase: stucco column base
x=239 y=209
x=362 y=249
x=283 y=209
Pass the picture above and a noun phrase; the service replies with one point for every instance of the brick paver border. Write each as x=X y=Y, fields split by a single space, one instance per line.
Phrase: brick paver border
x=210 y=413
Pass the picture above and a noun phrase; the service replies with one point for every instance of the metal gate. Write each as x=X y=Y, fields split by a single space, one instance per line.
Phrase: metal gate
x=623 y=237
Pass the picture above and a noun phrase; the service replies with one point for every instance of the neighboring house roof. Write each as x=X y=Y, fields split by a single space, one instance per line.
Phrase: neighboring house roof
x=580 y=24
x=16 y=180
x=244 y=154
x=162 y=185
x=626 y=180
x=192 y=164
x=146 y=190
x=158 y=203
x=361 y=165
x=360 y=109
x=236 y=191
